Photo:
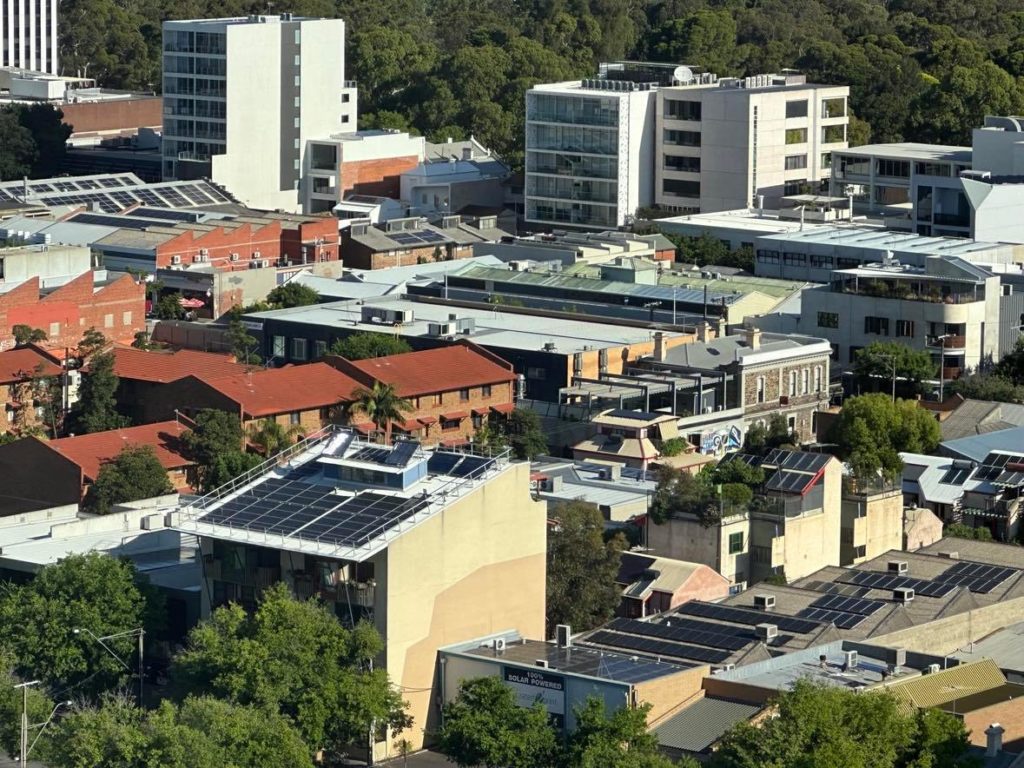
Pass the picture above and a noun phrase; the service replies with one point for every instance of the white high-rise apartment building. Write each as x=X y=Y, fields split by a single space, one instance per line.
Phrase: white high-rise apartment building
x=729 y=143
x=243 y=95
x=28 y=35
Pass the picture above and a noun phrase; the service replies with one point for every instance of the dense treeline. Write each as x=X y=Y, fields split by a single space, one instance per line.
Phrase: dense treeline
x=924 y=70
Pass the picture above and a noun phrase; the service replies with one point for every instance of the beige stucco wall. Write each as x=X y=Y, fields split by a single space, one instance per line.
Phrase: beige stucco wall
x=876 y=522
x=475 y=569
x=948 y=634
x=686 y=539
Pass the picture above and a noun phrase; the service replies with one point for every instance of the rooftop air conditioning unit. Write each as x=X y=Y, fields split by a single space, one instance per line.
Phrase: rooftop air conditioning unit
x=254 y=265
x=932 y=669
x=204 y=252
x=499 y=644
x=895 y=657
x=898 y=566
x=903 y=594
x=256 y=255
x=199 y=258
x=850 y=659
x=551 y=484
x=563 y=636
x=543 y=663
x=767 y=632
x=234 y=257
x=264 y=263
x=175 y=259
x=442 y=329
x=764 y=602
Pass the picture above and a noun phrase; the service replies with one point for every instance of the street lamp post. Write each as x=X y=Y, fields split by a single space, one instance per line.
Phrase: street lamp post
x=139 y=632
x=892 y=360
x=23 y=752
x=42 y=727
x=942 y=361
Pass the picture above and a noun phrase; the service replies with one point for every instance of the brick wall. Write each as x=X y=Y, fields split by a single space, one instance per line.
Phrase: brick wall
x=117 y=310
x=434 y=405
x=800 y=406
x=1009 y=714
x=376 y=177
x=309 y=421
x=120 y=115
x=357 y=256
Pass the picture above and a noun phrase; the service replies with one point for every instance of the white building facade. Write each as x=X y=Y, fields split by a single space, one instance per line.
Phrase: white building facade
x=243 y=95
x=28 y=35
x=729 y=143
x=589 y=152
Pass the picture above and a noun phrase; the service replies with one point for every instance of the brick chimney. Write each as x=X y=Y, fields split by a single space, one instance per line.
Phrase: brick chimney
x=704 y=332
x=753 y=336
x=659 y=346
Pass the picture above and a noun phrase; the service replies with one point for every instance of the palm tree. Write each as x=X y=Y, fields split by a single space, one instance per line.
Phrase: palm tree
x=381 y=405
x=271 y=437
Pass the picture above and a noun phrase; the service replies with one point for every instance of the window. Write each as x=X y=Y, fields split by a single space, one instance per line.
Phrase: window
x=796 y=108
x=277 y=350
x=346 y=98
x=828 y=319
x=536 y=373
x=295 y=417
x=794 y=259
x=817 y=378
x=826 y=160
x=126 y=318
x=796 y=162
x=448 y=425
x=677 y=109
x=680 y=188
x=108 y=321
x=792 y=383
x=319 y=348
x=485 y=390
x=821 y=261
x=768 y=257
x=803 y=381
x=682 y=164
x=344 y=118
x=54 y=330
x=735 y=543
x=876 y=325
x=833 y=134
x=899 y=169
x=682 y=138
x=833 y=107
x=794 y=187
x=905 y=328
x=796 y=136
x=478 y=421
x=463 y=394
x=760 y=389
x=299 y=349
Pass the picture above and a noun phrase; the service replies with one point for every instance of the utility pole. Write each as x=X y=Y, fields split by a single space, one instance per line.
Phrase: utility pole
x=23 y=752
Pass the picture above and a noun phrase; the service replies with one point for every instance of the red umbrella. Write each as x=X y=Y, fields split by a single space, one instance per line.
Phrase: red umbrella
x=191 y=303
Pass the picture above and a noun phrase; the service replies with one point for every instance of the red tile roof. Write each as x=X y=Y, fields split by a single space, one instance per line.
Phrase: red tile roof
x=435 y=370
x=162 y=367
x=91 y=451
x=20 y=364
x=272 y=391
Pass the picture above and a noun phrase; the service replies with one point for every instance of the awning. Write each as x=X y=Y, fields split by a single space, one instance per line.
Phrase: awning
x=504 y=408
x=481 y=411
x=409 y=426
x=427 y=420
x=455 y=415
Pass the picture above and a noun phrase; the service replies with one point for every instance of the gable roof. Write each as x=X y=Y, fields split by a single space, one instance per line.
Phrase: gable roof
x=164 y=367
x=435 y=370
x=21 y=364
x=285 y=390
x=91 y=451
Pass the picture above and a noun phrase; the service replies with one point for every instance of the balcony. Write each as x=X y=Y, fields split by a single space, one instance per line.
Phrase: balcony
x=951 y=373
x=946 y=342
x=905 y=290
x=952 y=220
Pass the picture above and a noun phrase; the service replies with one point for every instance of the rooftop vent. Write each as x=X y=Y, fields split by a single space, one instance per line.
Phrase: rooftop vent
x=542 y=663
x=903 y=594
x=898 y=566
x=764 y=602
x=767 y=632
x=563 y=636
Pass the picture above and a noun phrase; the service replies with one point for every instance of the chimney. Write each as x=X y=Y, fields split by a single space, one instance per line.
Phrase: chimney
x=994 y=740
x=659 y=346
x=563 y=636
x=704 y=332
x=753 y=337
x=467 y=153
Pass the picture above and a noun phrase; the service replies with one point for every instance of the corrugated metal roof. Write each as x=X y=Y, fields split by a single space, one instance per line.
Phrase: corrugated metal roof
x=943 y=687
x=702 y=724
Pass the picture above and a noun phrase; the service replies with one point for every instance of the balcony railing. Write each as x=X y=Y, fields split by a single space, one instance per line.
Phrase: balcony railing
x=947 y=342
x=904 y=292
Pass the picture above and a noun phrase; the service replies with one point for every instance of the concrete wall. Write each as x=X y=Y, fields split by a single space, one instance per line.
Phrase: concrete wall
x=874 y=522
x=43 y=261
x=475 y=569
x=946 y=635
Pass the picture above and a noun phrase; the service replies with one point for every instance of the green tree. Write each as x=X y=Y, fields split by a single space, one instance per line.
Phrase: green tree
x=135 y=474
x=17 y=147
x=680 y=494
x=95 y=592
x=293 y=295
x=367 y=344
x=96 y=409
x=872 y=431
x=141 y=341
x=874 y=365
x=50 y=134
x=987 y=386
x=92 y=341
x=168 y=307
x=271 y=437
x=11 y=703
x=618 y=740
x=293 y=657
x=961 y=531
x=215 y=445
x=483 y=726
x=243 y=344
x=582 y=566
x=706 y=36
x=1011 y=365
x=526 y=434
x=26 y=334
x=381 y=405
x=821 y=726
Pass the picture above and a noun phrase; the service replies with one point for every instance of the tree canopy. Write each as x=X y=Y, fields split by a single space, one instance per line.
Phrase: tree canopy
x=381 y=405
x=872 y=431
x=96 y=410
x=880 y=361
x=215 y=444
x=582 y=567
x=367 y=344
x=136 y=473
x=292 y=295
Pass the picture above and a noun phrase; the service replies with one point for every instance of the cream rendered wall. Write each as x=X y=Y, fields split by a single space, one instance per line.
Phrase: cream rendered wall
x=473 y=570
x=322 y=65
x=725 y=165
x=686 y=539
x=636 y=163
x=876 y=522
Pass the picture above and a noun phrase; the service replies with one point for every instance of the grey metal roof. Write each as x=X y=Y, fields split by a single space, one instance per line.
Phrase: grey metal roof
x=977 y=447
x=702 y=724
x=725 y=350
x=977 y=417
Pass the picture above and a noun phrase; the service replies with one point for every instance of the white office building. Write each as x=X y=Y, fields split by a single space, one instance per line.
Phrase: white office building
x=28 y=35
x=589 y=152
x=729 y=143
x=243 y=95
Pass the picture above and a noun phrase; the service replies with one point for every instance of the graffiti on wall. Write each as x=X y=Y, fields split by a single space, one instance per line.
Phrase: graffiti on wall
x=719 y=441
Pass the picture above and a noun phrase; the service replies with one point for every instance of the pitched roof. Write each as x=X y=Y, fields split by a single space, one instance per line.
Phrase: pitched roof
x=435 y=370
x=163 y=367
x=701 y=724
x=285 y=390
x=947 y=685
x=977 y=417
x=92 y=451
x=20 y=364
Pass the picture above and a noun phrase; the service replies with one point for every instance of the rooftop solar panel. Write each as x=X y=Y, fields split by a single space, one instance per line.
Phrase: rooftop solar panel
x=848 y=604
x=798 y=460
x=839 y=618
x=747 y=616
x=442 y=463
x=688 y=631
x=956 y=475
x=834 y=588
x=472 y=466
x=657 y=647
x=401 y=454
x=887 y=581
x=977 y=577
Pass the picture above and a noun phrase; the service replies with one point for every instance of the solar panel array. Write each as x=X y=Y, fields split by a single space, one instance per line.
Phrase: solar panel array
x=796 y=460
x=956 y=475
x=290 y=507
x=840 y=619
x=417 y=238
x=115 y=193
x=689 y=631
x=848 y=604
x=458 y=464
x=977 y=577
x=835 y=588
x=995 y=465
x=657 y=647
x=888 y=581
x=788 y=482
x=748 y=616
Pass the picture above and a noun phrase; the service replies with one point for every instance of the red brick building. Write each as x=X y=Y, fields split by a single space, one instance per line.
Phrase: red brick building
x=18 y=367
x=454 y=390
x=117 y=309
x=378 y=176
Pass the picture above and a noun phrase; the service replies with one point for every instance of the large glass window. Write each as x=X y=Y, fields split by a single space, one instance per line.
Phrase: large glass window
x=828 y=319
x=677 y=109
x=833 y=107
x=796 y=162
x=899 y=169
x=682 y=138
x=681 y=188
x=833 y=134
x=796 y=136
x=683 y=164
x=796 y=108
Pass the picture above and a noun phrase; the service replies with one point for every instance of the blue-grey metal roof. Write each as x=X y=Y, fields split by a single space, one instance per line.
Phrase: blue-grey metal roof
x=977 y=447
x=702 y=724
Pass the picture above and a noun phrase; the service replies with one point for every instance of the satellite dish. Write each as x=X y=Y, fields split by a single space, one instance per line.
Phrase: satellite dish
x=683 y=75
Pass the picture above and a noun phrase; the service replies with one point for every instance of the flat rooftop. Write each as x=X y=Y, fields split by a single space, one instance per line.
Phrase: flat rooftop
x=494 y=327
x=742 y=219
x=1005 y=647
x=883 y=240
x=912 y=151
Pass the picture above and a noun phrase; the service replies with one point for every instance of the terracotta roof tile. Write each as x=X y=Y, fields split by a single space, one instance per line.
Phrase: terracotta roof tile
x=272 y=391
x=20 y=364
x=164 y=367
x=435 y=370
x=93 y=450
